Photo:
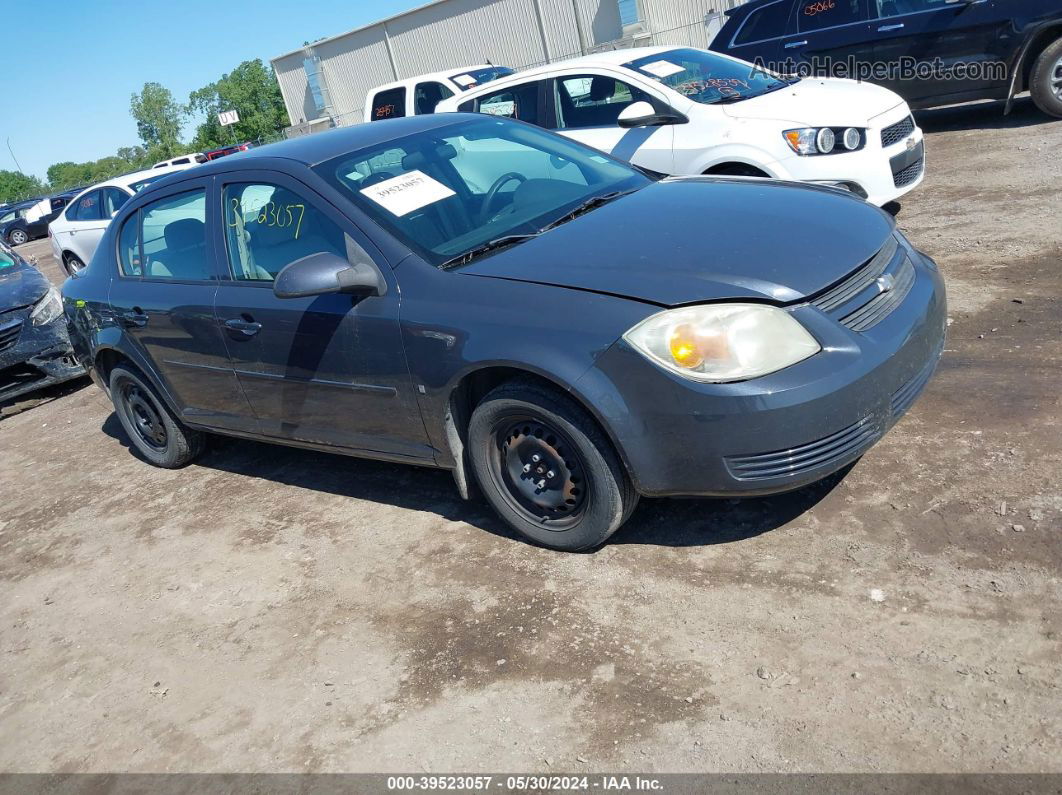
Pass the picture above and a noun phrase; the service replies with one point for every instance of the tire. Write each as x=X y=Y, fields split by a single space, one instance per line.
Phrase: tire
x=150 y=425
x=582 y=494
x=1045 y=82
x=17 y=237
x=73 y=264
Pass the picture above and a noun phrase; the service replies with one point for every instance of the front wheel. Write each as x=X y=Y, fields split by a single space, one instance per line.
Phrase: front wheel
x=546 y=467
x=1045 y=83
x=152 y=428
x=18 y=237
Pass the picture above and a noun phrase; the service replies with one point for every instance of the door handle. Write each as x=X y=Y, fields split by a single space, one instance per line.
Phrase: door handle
x=247 y=328
x=134 y=319
x=884 y=28
x=794 y=44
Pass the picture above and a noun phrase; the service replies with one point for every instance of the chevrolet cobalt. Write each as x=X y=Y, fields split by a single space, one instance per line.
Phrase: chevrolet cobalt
x=478 y=294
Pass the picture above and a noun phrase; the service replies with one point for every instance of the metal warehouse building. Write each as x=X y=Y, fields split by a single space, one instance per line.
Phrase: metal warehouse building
x=325 y=82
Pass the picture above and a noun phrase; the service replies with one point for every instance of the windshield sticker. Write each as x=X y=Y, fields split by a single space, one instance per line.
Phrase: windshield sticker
x=411 y=191
x=465 y=81
x=662 y=69
x=724 y=86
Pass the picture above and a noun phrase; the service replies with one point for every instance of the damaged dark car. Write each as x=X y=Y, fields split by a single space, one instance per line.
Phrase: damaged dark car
x=34 y=344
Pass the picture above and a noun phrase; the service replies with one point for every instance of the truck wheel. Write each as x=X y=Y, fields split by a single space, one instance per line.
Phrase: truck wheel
x=159 y=436
x=546 y=467
x=1046 y=80
x=18 y=237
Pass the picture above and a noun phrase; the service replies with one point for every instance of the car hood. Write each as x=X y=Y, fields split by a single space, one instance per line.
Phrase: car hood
x=20 y=283
x=693 y=239
x=819 y=102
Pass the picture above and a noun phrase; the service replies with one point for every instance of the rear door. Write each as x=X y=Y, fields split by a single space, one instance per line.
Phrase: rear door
x=85 y=225
x=164 y=296
x=944 y=34
x=832 y=37
x=761 y=37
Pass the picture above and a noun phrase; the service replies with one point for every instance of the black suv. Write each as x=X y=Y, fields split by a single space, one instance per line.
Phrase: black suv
x=931 y=52
x=16 y=228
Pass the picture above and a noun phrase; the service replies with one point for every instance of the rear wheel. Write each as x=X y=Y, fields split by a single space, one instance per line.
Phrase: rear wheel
x=546 y=468
x=154 y=431
x=1045 y=83
x=18 y=237
x=73 y=264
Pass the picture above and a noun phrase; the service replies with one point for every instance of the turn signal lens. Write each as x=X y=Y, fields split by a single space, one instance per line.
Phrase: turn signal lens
x=723 y=342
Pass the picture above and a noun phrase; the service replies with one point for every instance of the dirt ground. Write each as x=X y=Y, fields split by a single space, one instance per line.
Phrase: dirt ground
x=278 y=610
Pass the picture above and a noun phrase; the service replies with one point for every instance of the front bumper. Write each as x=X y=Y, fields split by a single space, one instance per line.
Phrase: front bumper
x=779 y=432
x=34 y=356
x=880 y=174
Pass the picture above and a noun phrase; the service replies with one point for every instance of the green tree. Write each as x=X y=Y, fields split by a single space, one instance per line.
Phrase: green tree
x=158 y=119
x=16 y=185
x=251 y=89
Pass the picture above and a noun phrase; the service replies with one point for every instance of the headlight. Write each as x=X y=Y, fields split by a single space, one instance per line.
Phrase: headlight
x=823 y=140
x=723 y=342
x=48 y=308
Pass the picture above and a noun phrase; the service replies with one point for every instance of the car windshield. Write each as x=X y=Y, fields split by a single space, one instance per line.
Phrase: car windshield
x=451 y=190
x=471 y=78
x=706 y=77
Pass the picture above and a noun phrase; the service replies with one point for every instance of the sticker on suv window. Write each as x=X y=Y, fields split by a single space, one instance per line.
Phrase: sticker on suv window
x=467 y=81
x=403 y=194
x=662 y=69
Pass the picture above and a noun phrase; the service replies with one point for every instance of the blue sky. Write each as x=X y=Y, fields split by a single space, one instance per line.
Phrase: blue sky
x=71 y=67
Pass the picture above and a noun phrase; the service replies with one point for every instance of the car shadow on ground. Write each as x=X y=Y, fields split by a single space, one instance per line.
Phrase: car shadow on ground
x=17 y=405
x=982 y=116
x=660 y=522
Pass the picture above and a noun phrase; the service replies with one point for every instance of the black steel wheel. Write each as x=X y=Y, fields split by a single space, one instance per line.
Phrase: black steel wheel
x=152 y=428
x=547 y=468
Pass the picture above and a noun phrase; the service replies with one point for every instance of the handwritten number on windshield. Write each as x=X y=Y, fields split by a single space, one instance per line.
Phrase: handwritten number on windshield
x=282 y=216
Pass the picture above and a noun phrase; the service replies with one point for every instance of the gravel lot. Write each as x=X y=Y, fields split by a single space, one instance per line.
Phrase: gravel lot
x=279 y=610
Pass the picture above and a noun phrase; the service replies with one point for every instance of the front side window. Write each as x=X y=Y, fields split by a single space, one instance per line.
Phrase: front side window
x=768 y=22
x=269 y=226
x=593 y=100
x=113 y=199
x=87 y=208
x=172 y=238
x=819 y=14
x=448 y=191
x=390 y=104
x=427 y=95
x=706 y=77
x=517 y=102
x=895 y=8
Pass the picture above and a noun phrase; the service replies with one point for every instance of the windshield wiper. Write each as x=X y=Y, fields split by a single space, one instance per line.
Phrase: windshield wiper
x=491 y=245
x=586 y=206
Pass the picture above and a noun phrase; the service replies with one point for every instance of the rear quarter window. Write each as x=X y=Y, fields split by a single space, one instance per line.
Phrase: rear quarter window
x=389 y=104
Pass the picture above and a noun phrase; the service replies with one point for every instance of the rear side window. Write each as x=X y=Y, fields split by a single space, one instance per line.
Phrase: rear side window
x=819 y=14
x=427 y=95
x=390 y=104
x=166 y=240
x=268 y=226
x=87 y=208
x=517 y=102
x=768 y=22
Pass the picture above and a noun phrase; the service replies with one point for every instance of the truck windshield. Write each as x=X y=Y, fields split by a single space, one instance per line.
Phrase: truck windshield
x=452 y=191
x=706 y=77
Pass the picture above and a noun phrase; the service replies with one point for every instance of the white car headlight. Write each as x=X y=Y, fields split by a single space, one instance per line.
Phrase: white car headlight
x=823 y=140
x=723 y=342
x=48 y=308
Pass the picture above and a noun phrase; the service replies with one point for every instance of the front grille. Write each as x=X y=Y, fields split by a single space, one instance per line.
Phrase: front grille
x=880 y=306
x=846 y=443
x=909 y=174
x=9 y=334
x=858 y=281
x=897 y=132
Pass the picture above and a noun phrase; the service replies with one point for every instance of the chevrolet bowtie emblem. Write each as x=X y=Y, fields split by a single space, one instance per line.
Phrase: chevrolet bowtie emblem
x=885 y=283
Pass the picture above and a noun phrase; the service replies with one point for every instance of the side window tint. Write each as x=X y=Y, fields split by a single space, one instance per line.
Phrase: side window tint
x=129 y=247
x=87 y=208
x=518 y=102
x=819 y=14
x=390 y=104
x=173 y=238
x=113 y=199
x=895 y=8
x=768 y=22
x=428 y=95
x=269 y=226
x=593 y=100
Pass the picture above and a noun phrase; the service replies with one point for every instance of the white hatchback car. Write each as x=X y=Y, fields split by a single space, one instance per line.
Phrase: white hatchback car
x=77 y=230
x=689 y=111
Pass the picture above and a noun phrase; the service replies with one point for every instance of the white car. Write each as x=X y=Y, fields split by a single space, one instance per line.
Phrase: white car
x=418 y=95
x=77 y=230
x=689 y=111
x=190 y=159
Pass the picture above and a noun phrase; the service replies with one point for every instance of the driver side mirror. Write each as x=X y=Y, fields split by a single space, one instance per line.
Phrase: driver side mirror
x=324 y=273
x=642 y=114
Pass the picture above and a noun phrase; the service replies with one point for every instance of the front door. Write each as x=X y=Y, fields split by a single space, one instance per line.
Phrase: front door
x=586 y=107
x=323 y=370
x=832 y=38
x=164 y=296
